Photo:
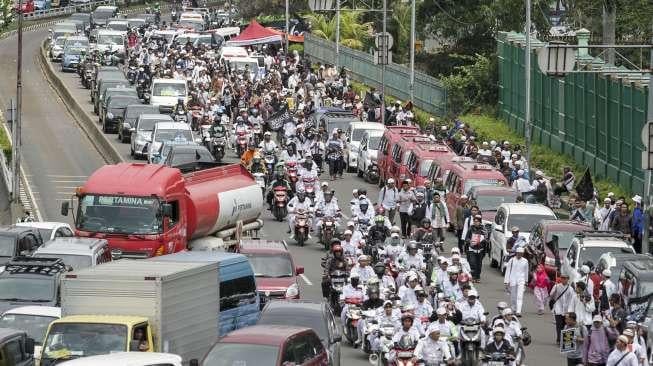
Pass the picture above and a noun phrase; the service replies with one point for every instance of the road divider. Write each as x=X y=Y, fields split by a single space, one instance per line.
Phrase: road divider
x=84 y=119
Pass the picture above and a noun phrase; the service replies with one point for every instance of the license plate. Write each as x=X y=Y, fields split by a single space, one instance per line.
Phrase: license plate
x=495 y=363
x=467 y=328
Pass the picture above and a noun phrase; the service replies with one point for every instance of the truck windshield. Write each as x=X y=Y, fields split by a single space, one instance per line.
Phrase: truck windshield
x=169 y=90
x=228 y=354
x=173 y=135
x=110 y=39
x=271 y=265
x=119 y=214
x=27 y=289
x=7 y=246
x=71 y=340
x=73 y=260
x=34 y=325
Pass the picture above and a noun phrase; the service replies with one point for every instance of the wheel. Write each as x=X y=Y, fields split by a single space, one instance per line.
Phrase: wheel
x=124 y=139
x=131 y=152
x=502 y=269
x=381 y=181
x=359 y=172
x=493 y=262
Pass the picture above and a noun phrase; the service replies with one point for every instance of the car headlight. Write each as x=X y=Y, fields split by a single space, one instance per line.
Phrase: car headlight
x=292 y=291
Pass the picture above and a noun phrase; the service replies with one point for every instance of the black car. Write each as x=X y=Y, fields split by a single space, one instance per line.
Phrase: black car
x=115 y=110
x=188 y=157
x=31 y=281
x=17 y=240
x=315 y=315
x=130 y=116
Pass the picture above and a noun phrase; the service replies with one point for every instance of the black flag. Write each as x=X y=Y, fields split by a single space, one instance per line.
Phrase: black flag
x=279 y=118
x=585 y=188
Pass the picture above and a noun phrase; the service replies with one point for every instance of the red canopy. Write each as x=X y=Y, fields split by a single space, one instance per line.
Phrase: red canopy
x=291 y=38
x=255 y=34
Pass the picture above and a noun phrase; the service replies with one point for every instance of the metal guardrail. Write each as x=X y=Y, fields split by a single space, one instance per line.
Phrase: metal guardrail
x=55 y=12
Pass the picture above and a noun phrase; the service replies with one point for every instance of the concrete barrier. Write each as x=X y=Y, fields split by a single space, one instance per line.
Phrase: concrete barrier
x=84 y=119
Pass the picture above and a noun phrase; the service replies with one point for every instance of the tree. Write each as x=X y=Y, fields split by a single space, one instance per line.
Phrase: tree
x=250 y=9
x=399 y=27
x=353 y=33
x=6 y=13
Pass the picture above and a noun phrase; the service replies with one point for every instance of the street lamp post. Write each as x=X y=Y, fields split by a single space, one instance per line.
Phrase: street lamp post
x=287 y=23
x=527 y=92
x=337 y=61
x=412 y=50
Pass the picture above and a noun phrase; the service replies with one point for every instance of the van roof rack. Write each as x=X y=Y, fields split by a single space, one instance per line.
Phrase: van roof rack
x=35 y=265
x=600 y=234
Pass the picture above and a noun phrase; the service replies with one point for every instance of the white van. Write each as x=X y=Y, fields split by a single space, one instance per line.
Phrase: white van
x=228 y=33
x=355 y=134
x=168 y=131
x=166 y=93
x=239 y=64
x=111 y=40
x=229 y=52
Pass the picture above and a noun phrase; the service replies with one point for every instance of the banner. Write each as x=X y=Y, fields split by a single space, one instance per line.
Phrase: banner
x=568 y=340
x=638 y=307
x=278 y=119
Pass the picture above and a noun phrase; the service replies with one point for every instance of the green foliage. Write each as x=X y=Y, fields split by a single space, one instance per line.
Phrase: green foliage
x=353 y=32
x=296 y=47
x=253 y=8
x=6 y=13
x=5 y=144
x=399 y=27
x=550 y=162
x=471 y=85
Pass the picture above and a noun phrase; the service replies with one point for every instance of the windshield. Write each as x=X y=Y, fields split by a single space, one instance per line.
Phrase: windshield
x=66 y=340
x=27 y=289
x=169 y=90
x=526 y=222
x=147 y=124
x=240 y=65
x=102 y=14
x=170 y=135
x=119 y=214
x=492 y=203
x=110 y=39
x=230 y=354
x=195 y=25
x=469 y=183
x=75 y=261
x=357 y=134
x=135 y=112
x=186 y=38
x=45 y=234
x=119 y=26
x=204 y=40
x=299 y=319
x=7 y=246
x=564 y=237
x=424 y=168
x=34 y=325
x=373 y=143
x=75 y=51
x=60 y=41
x=77 y=43
x=594 y=253
x=191 y=157
x=271 y=265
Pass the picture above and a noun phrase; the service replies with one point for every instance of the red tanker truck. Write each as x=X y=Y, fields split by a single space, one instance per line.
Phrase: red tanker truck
x=147 y=210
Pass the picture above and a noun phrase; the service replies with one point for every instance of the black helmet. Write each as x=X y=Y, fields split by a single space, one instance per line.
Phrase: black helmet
x=425 y=221
x=379 y=268
x=412 y=245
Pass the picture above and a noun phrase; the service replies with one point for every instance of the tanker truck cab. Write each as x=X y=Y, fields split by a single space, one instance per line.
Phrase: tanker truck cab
x=146 y=210
x=78 y=336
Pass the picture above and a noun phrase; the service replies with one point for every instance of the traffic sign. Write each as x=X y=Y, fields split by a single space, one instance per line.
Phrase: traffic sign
x=383 y=40
x=320 y=5
x=556 y=61
x=647 y=140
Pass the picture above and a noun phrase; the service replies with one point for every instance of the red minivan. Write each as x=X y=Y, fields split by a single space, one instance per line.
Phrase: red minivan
x=277 y=345
x=463 y=175
x=422 y=157
x=386 y=148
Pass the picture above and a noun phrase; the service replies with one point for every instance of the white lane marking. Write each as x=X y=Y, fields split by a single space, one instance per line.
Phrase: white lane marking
x=66 y=176
x=68 y=181
x=308 y=282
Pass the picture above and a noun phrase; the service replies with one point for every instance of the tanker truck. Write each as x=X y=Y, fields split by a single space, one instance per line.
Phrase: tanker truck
x=146 y=210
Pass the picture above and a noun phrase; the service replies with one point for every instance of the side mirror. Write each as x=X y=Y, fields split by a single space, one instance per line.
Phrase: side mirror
x=132 y=130
x=166 y=209
x=336 y=339
x=29 y=346
x=299 y=270
x=65 y=207
x=194 y=362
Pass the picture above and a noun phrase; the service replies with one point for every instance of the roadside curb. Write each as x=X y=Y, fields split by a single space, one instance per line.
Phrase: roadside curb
x=83 y=119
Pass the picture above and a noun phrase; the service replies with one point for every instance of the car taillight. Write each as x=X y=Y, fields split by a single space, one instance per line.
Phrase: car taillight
x=160 y=250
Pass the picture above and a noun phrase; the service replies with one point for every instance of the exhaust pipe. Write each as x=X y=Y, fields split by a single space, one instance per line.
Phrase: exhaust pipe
x=373 y=359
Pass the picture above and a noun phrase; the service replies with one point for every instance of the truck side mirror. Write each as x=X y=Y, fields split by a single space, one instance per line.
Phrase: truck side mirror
x=65 y=207
x=29 y=346
x=166 y=210
x=299 y=270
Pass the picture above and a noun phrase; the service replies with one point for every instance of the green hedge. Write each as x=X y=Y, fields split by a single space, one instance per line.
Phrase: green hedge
x=5 y=144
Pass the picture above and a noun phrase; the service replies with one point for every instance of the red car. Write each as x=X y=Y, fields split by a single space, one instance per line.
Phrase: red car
x=540 y=243
x=275 y=270
x=260 y=344
x=489 y=198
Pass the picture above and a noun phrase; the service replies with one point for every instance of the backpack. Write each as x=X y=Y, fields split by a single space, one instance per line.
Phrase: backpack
x=541 y=191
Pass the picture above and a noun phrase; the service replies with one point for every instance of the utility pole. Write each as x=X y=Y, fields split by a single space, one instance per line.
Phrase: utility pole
x=16 y=126
x=337 y=60
x=385 y=21
x=287 y=24
x=412 y=51
x=647 y=189
x=527 y=92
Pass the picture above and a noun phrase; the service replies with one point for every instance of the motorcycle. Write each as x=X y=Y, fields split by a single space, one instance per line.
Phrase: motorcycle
x=259 y=178
x=327 y=231
x=371 y=175
x=270 y=159
x=302 y=227
x=470 y=341
x=217 y=147
x=279 y=206
x=141 y=87
x=371 y=327
x=404 y=351
x=174 y=16
x=385 y=333
x=291 y=171
x=497 y=359
x=338 y=279
x=257 y=134
x=180 y=116
x=88 y=76
x=132 y=72
x=241 y=143
x=352 y=317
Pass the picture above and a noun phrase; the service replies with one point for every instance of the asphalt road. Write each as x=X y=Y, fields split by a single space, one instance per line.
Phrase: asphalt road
x=58 y=157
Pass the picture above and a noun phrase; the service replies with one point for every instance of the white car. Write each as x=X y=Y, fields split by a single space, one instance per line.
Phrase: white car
x=355 y=134
x=127 y=359
x=34 y=320
x=368 y=150
x=168 y=131
x=141 y=133
x=522 y=215
x=50 y=230
x=589 y=246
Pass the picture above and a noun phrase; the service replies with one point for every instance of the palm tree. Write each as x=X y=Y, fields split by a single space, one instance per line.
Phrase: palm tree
x=353 y=33
x=400 y=29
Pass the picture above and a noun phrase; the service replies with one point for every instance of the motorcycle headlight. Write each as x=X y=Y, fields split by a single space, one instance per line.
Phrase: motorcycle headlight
x=292 y=291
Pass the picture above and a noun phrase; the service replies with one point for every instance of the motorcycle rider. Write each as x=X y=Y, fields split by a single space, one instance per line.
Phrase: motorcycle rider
x=407 y=291
x=308 y=168
x=349 y=246
x=457 y=260
x=356 y=235
x=334 y=147
x=328 y=208
x=472 y=308
x=364 y=212
x=501 y=305
x=451 y=288
x=373 y=302
x=279 y=181
x=447 y=327
x=393 y=246
x=248 y=155
x=267 y=146
x=411 y=257
x=297 y=203
x=424 y=232
x=476 y=242
x=439 y=275
x=290 y=154
x=407 y=328
x=499 y=344
x=423 y=308
x=363 y=269
x=351 y=290
x=217 y=129
x=379 y=232
x=511 y=325
x=257 y=166
x=389 y=315
x=431 y=349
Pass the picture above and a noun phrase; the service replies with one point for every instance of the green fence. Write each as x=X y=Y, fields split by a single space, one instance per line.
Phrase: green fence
x=595 y=118
x=430 y=95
